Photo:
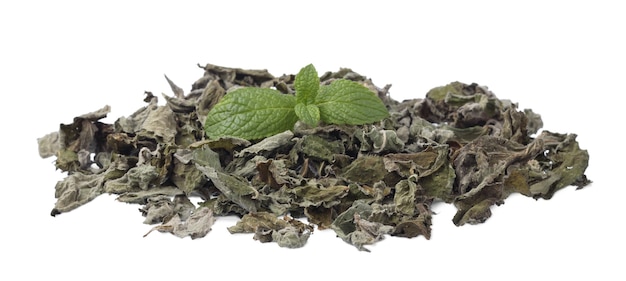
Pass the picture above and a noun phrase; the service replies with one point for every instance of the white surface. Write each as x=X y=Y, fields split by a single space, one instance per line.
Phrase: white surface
x=61 y=59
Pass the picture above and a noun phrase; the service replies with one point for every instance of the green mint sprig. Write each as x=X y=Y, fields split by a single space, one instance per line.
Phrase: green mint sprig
x=254 y=113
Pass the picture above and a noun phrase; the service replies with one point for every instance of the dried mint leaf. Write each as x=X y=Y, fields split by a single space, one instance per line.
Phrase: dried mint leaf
x=459 y=144
x=197 y=225
x=266 y=227
x=236 y=189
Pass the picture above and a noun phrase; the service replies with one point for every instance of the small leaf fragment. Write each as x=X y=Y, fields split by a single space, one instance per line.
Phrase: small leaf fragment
x=234 y=188
x=353 y=227
x=160 y=123
x=178 y=92
x=366 y=169
x=267 y=227
x=404 y=197
x=197 y=225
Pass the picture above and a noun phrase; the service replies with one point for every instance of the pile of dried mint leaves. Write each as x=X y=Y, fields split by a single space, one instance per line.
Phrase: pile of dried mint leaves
x=460 y=144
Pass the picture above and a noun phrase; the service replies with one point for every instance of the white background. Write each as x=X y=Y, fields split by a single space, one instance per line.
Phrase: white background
x=565 y=60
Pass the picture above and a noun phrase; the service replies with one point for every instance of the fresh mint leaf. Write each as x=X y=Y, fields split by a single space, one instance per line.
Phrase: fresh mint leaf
x=348 y=102
x=251 y=113
x=307 y=84
x=254 y=113
x=309 y=113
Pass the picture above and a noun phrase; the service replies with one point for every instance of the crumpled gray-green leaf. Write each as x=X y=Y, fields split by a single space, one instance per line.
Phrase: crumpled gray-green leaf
x=459 y=144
